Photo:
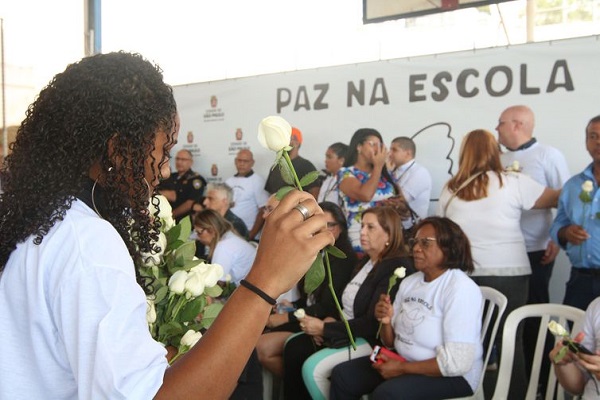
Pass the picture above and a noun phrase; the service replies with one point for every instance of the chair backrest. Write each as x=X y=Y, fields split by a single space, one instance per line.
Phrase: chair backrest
x=561 y=313
x=494 y=305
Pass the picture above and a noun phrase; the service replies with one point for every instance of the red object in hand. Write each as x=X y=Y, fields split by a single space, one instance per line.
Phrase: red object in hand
x=378 y=350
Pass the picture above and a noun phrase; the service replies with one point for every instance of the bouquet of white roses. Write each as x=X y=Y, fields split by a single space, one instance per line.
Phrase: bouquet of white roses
x=181 y=284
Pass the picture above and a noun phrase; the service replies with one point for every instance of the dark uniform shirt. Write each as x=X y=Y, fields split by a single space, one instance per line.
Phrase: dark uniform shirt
x=189 y=186
x=301 y=165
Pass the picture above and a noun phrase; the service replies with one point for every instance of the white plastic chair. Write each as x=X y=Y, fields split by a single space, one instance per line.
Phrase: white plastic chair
x=494 y=306
x=563 y=315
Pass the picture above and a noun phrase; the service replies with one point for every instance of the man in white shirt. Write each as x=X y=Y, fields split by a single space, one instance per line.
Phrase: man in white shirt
x=249 y=195
x=548 y=166
x=413 y=179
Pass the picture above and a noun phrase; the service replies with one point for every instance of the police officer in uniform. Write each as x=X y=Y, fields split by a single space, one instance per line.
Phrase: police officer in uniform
x=184 y=187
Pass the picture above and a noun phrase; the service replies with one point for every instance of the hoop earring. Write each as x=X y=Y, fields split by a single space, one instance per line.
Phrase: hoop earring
x=93 y=201
x=150 y=193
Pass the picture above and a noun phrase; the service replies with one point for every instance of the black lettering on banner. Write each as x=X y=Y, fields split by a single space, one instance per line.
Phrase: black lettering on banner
x=305 y=102
x=461 y=83
x=319 y=104
x=358 y=94
x=379 y=83
x=568 y=81
x=489 y=77
x=524 y=88
x=415 y=84
x=284 y=97
x=438 y=82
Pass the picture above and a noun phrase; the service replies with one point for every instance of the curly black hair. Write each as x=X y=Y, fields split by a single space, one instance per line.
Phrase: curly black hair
x=103 y=111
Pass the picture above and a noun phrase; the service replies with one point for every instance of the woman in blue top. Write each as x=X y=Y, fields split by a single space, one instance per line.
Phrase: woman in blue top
x=364 y=180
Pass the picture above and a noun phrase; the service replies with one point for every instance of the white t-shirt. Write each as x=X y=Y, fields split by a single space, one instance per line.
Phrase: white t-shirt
x=415 y=182
x=352 y=288
x=429 y=316
x=249 y=195
x=492 y=224
x=73 y=322
x=235 y=255
x=547 y=166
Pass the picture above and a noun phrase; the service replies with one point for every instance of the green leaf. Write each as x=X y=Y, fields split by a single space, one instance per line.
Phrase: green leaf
x=192 y=309
x=315 y=275
x=173 y=237
x=334 y=251
x=213 y=291
x=282 y=192
x=170 y=329
x=286 y=172
x=185 y=253
x=186 y=228
x=161 y=294
x=210 y=313
x=309 y=178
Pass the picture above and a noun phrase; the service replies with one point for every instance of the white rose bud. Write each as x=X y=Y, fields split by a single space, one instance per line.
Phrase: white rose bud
x=400 y=272
x=190 y=338
x=177 y=282
x=588 y=186
x=515 y=166
x=150 y=311
x=228 y=278
x=274 y=133
x=556 y=329
x=300 y=313
x=194 y=284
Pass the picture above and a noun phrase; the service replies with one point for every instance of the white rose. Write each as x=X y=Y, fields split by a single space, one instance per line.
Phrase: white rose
x=515 y=166
x=150 y=311
x=274 y=133
x=557 y=329
x=163 y=204
x=300 y=313
x=190 y=338
x=228 y=278
x=194 y=284
x=150 y=259
x=400 y=272
x=588 y=186
x=177 y=282
x=211 y=273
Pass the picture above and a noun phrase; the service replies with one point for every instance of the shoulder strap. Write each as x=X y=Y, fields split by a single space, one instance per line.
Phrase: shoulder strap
x=461 y=187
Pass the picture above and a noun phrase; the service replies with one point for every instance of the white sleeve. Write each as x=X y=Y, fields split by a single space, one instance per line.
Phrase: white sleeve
x=529 y=190
x=100 y=314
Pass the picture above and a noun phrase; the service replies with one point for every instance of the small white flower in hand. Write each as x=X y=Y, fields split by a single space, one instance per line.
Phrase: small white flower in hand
x=177 y=282
x=587 y=186
x=556 y=329
x=190 y=338
x=300 y=313
x=400 y=272
x=515 y=167
x=274 y=133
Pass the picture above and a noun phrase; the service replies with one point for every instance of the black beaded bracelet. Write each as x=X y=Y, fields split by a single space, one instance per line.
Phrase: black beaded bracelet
x=259 y=292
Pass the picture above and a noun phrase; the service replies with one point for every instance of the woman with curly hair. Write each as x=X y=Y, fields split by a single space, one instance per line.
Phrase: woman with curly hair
x=74 y=219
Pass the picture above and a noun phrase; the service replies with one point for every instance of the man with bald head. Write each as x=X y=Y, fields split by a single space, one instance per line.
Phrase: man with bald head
x=548 y=166
x=184 y=186
x=249 y=195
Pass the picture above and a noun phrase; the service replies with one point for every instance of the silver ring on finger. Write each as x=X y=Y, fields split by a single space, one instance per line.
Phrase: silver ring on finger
x=302 y=209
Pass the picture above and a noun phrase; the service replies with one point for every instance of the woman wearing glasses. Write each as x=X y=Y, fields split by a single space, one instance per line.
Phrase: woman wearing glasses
x=325 y=343
x=225 y=246
x=487 y=203
x=319 y=304
x=364 y=180
x=434 y=323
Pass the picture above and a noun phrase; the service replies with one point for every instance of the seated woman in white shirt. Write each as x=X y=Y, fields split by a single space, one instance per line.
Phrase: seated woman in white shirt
x=225 y=247
x=434 y=323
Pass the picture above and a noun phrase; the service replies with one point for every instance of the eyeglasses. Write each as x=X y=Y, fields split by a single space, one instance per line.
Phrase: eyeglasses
x=200 y=231
x=332 y=224
x=423 y=242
